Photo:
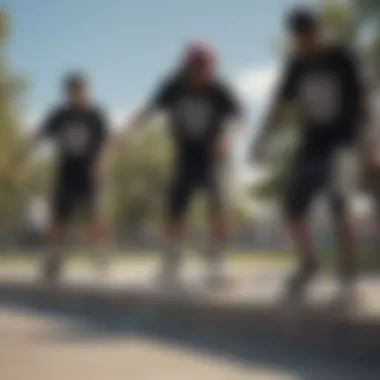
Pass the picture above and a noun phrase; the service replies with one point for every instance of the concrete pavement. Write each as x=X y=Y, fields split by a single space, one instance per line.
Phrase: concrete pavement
x=35 y=347
x=106 y=327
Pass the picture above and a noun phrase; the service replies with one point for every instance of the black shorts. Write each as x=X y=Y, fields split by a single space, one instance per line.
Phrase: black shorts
x=311 y=176
x=187 y=181
x=69 y=199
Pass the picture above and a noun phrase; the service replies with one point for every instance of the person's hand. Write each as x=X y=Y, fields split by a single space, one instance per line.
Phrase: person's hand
x=258 y=153
x=221 y=148
x=371 y=158
x=97 y=175
x=375 y=159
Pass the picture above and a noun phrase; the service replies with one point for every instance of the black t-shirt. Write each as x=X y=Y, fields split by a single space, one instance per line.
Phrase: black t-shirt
x=328 y=89
x=197 y=116
x=78 y=134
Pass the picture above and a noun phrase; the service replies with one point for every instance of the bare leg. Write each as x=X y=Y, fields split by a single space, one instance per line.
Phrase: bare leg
x=300 y=235
x=346 y=241
x=97 y=239
x=347 y=246
x=299 y=232
x=54 y=257
x=216 y=256
x=172 y=253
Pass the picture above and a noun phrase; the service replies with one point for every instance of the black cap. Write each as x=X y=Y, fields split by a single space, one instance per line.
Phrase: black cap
x=302 y=21
x=73 y=80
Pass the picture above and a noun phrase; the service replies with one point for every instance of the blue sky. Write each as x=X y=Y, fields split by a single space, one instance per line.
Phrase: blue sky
x=126 y=45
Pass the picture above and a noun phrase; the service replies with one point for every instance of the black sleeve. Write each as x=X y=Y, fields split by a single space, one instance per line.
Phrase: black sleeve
x=164 y=95
x=228 y=102
x=50 y=125
x=287 y=89
x=353 y=74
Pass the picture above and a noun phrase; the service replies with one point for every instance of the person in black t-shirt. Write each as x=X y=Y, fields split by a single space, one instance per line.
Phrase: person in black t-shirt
x=201 y=110
x=78 y=131
x=325 y=82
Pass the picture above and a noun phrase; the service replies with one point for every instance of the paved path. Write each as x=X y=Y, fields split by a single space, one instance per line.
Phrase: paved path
x=29 y=351
x=38 y=347
x=38 y=344
x=248 y=283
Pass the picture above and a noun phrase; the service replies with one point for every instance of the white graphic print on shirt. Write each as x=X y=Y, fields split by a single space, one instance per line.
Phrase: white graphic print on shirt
x=75 y=139
x=320 y=97
x=194 y=115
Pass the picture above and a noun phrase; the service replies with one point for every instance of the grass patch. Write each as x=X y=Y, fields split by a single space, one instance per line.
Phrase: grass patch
x=237 y=256
x=368 y=260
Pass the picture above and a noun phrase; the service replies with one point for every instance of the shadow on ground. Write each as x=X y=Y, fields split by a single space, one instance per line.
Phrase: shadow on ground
x=303 y=349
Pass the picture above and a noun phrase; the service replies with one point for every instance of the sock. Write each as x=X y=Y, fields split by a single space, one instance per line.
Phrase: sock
x=172 y=258
x=101 y=257
x=53 y=261
x=217 y=257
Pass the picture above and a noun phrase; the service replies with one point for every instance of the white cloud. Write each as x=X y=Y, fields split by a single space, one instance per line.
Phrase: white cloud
x=256 y=84
x=31 y=120
x=117 y=118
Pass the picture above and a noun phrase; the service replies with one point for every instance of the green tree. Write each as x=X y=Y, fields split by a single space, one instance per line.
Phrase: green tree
x=11 y=186
x=139 y=178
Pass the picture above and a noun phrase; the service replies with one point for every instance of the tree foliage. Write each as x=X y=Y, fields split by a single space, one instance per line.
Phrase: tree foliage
x=140 y=179
x=136 y=187
x=11 y=86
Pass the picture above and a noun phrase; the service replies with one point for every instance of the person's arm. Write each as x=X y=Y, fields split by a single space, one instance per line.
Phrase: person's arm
x=46 y=130
x=234 y=121
x=21 y=154
x=366 y=135
x=235 y=125
x=286 y=93
x=358 y=90
x=161 y=100
x=139 y=118
x=369 y=144
x=267 y=130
